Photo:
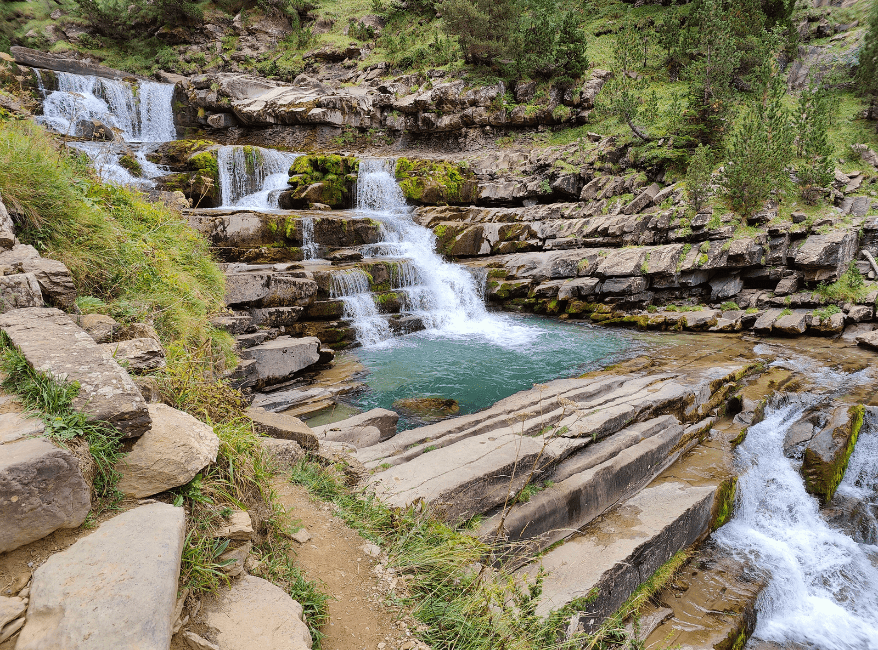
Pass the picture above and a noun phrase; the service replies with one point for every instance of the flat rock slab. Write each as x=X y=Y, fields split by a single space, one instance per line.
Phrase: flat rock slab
x=41 y=486
x=285 y=427
x=569 y=504
x=279 y=359
x=256 y=615
x=621 y=550
x=115 y=588
x=52 y=343
x=171 y=453
x=353 y=429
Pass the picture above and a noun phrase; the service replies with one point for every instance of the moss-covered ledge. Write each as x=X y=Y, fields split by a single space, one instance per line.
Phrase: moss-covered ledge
x=321 y=178
x=436 y=182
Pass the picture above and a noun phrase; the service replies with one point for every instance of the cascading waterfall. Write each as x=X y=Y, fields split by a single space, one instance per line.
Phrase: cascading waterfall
x=352 y=288
x=445 y=296
x=823 y=587
x=251 y=177
x=309 y=246
x=142 y=114
x=860 y=483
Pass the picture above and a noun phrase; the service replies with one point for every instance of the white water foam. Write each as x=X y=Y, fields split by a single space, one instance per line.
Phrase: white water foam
x=309 y=246
x=252 y=177
x=823 y=587
x=447 y=297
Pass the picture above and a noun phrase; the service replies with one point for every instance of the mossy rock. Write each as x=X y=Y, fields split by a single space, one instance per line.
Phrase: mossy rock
x=827 y=455
x=435 y=182
x=321 y=178
x=131 y=163
x=429 y=409
x=724 y=503
x=177 y=153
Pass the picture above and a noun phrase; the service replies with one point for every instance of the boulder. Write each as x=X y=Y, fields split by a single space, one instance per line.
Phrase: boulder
x=859 y=313
x=788 y=285
x=827 y=454
x=793 y=324
x=54 y=278
x=222 y=121
x=137 y=355
x=285 y=427
x=115 y=588
x=642 y=200
x=18 y=291
x=239 y=527
x=827 y=326
x=100 y=327
x=41 y=485
x=256 y=615
x=52 y=343
x=11 y=609
x=867 y=155
x=281 y=358
x=824 y=258
x=285 y=453
x=725 y=287
x=171 y=453
x=868 y=340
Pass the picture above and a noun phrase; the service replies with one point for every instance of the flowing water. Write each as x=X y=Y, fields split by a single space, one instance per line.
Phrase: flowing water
x=823 y=587
x=310 y=250
x=141 y=114
x=252 y=177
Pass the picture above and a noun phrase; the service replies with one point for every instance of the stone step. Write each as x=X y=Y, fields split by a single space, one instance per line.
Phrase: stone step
x=52 y=343
x=558 y=511
x=41 y=485
x=115 y=588
x=279 y=359
x=620 y=550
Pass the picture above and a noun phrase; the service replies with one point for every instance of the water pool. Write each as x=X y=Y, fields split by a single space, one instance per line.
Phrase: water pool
x=477 y=371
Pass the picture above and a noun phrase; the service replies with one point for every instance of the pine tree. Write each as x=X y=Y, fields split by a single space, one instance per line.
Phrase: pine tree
x=698 y=178
x=812 y=142
x=867 y=70
x=760 y=150
x=710 y=75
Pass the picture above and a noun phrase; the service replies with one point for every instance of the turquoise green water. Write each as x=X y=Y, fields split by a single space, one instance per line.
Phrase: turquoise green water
x=477 y=372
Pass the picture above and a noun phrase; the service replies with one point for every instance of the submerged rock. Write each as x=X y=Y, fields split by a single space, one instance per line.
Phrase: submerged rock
x=427 y=408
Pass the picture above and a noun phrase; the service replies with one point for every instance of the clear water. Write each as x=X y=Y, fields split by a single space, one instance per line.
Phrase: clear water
x=477 y=371
x=823 y=587
x=253 y=183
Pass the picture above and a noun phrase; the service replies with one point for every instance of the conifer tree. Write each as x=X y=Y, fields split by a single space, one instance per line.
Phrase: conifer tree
x=698 y=178
x=812 y=142
x=867 y=70
x=760 y=149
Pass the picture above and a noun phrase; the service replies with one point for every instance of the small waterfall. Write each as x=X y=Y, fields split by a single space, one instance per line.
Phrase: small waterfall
x=309 y=246
x=444 y=295
x=352 y=288
x=142 y=114
x=823 y=590
x=250 y=177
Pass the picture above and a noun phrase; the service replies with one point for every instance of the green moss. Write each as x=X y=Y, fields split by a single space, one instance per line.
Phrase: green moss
x=131 y=164
x=741 y=437
x=724 y=502
x=440 y=230
x=434 y=181
x=822 y=479
x=336 y=173
x=205 y=163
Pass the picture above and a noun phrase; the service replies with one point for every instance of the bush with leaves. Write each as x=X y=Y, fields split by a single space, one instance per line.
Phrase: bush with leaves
x=760 y=149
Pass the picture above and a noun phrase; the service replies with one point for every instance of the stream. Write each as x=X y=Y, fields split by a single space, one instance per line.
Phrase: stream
x=823 y=584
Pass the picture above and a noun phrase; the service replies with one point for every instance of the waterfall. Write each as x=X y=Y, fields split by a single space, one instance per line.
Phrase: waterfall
x=446 y=296
x=251 y=177
x=309 y=246
x=352 y=288
x=823 y=587
x=142 y=114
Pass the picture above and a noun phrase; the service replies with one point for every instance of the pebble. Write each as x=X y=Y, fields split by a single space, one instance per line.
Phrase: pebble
x=372 y=550
x=301 y=536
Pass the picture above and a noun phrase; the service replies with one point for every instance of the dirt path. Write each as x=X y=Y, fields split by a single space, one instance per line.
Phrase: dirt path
x=336 y=555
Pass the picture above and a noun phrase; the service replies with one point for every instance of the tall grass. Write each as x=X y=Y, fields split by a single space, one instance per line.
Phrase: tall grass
x=141 y=259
